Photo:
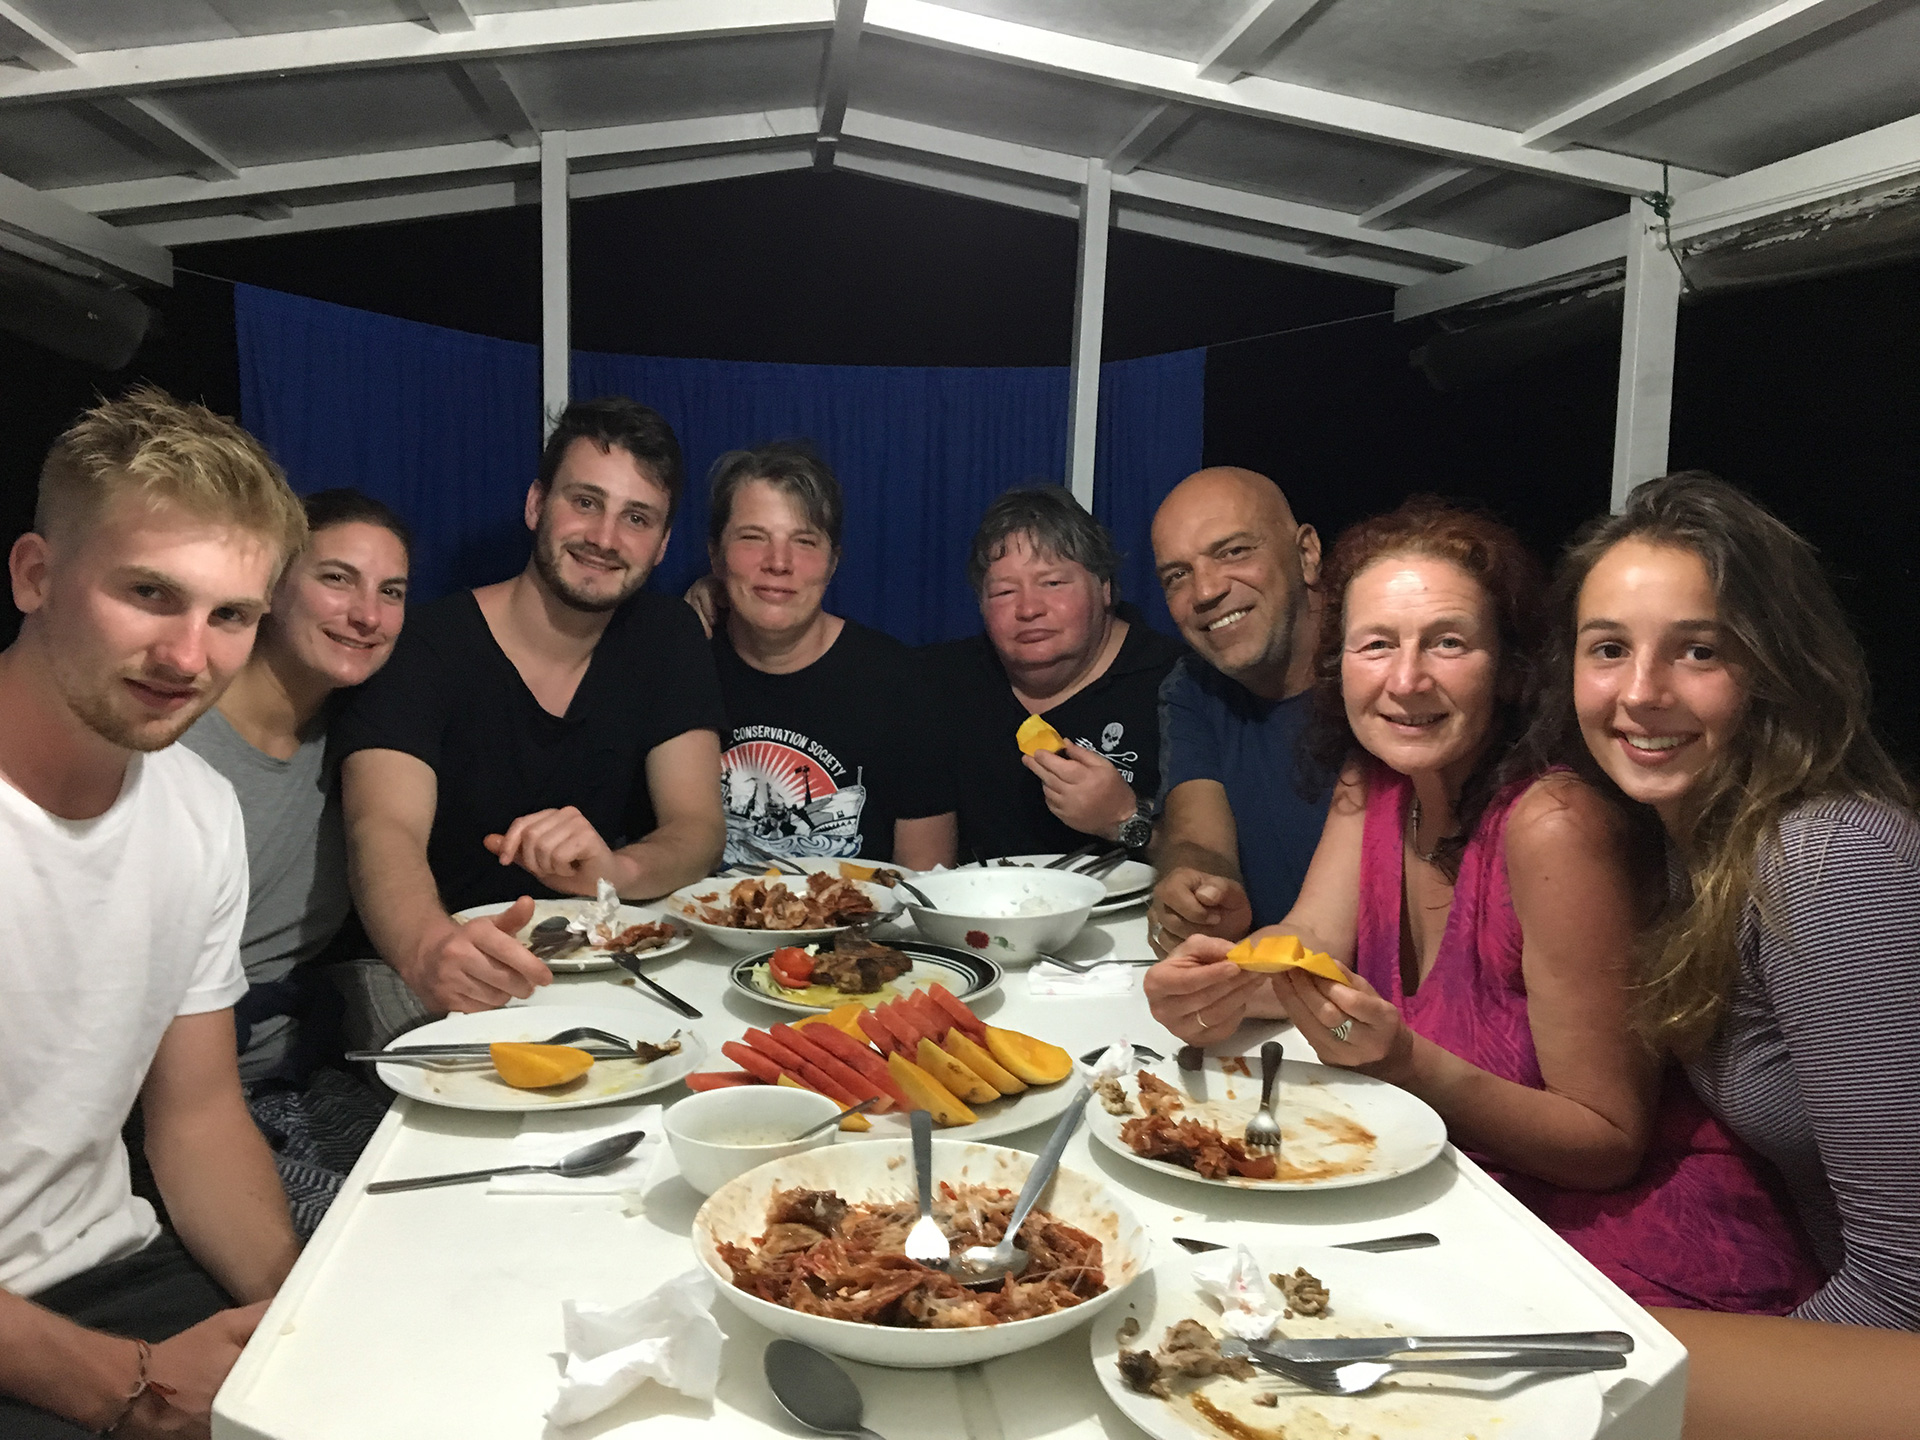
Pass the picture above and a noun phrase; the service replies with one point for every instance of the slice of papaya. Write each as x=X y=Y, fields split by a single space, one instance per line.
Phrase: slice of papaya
x=538 y=1067
x=958 y=1079
x=1285 y=952
x=964 y=1048
x=1036 y=734
x=929 y=1094
x=1034 y=1061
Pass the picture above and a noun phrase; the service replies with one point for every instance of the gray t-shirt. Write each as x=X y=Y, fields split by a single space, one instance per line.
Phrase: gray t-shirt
x=296 y=860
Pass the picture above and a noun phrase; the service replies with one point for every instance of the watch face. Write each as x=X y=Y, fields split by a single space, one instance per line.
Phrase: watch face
x=1136 y=832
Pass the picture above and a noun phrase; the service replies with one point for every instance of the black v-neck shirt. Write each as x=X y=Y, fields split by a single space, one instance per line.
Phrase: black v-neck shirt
x=450 y=697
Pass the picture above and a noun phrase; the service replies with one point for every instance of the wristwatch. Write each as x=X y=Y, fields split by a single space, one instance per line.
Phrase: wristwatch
x=1137 y=829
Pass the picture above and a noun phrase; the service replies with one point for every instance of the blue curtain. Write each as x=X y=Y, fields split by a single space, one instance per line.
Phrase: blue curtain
x=445 y=427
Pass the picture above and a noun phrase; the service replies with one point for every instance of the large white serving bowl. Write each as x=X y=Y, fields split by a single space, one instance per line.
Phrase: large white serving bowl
x=883 y=1170
x=1007 y=914
x=683 y=905
x=718 y=1134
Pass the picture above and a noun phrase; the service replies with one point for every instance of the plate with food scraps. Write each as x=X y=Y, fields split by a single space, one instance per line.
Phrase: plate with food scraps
x=478 y=1086
x=1338 y=1128
x=758 y=911
x=1128 y=883
x=850 y=968
x=644 y=930
x=1170 y=1330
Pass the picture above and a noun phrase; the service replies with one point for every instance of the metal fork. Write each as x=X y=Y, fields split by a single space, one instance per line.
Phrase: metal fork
x=926 y=1241
x=1263 y=1130
x=1081 y=967
x=777 y=861
x=1331 y=1377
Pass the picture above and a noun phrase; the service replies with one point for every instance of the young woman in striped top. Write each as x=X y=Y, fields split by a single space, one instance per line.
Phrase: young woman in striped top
x=1708 y=681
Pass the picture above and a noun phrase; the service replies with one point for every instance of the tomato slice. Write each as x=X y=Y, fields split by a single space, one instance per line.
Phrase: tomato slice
x=791 y=966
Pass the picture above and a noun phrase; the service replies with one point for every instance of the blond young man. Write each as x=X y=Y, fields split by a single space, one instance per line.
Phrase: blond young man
x=158 y=536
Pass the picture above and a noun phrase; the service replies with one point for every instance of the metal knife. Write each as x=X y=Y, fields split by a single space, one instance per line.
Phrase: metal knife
x=630 y=963
x=1382 y=1246
x=1381 y=1347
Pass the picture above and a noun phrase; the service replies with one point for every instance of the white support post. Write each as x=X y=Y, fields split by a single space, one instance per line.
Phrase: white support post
x=556 y=331
x=1645 y=407
x=1089 y=313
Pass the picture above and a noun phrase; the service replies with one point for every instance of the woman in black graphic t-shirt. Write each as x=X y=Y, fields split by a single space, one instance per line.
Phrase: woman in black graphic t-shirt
x=829 y=748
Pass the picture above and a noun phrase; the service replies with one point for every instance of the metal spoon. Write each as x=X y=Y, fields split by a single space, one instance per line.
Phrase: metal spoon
x=590 y=1159
x=859 y=1109
x=979 y=1266
x=814 y=1390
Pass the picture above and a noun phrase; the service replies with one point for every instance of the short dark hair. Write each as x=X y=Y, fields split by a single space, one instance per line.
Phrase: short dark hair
x=615 y=422
x=1053 y=524
x=348 y=506
x=792 y=467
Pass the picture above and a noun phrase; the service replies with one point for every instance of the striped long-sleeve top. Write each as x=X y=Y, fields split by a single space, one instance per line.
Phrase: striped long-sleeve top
x=1817 y=1065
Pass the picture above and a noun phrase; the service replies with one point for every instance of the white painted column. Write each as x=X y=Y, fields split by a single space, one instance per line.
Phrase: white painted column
x=1645 y=408
x=1089 y=312
x=556 y=330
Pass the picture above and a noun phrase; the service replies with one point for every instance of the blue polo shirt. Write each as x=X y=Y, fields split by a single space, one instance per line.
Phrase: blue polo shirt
x=1213 y=728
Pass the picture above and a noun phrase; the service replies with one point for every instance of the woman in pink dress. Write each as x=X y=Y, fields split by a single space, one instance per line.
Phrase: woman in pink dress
x=1490 y=919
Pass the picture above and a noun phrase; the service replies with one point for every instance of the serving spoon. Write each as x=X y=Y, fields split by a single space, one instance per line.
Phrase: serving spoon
x=979 y=1266
x=814 y=1390
x=589 y=1159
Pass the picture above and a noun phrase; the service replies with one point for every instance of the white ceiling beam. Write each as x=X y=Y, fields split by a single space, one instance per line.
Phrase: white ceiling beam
x=836 y=78
x=1253 y=35
x=156 y=127
x=1089 y=325
x=1650 y=318
x=1168 y=77
x=41 y=218
x=755 y=128
x=1263 y=247
x=955 y=182
x=1423 y=197
x=1876 y=159
x=1166 y=190
x=1738 y=46
x=696 y=170
x=32 y=43
x=1156 y=128
x=497 y=101
x=449 y=17
x=556 y=289
x=406 y=42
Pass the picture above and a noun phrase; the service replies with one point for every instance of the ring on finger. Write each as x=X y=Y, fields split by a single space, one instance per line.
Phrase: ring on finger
x=1202 y=1019
x=1343 y=1029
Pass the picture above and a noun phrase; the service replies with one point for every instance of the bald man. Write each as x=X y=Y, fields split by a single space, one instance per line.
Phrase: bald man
x=1241 y=814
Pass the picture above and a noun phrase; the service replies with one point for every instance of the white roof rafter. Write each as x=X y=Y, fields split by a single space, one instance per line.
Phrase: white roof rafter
x=36 y=46
x=836 y=77
x=1252 y=37
x=498 y=101
x=449 y=17
x=1155 y=129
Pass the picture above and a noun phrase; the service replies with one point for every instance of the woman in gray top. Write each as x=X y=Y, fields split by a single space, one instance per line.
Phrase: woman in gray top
x=336 y=613
x=1707 y=679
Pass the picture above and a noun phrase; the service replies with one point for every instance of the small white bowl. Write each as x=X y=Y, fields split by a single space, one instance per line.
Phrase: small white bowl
x=718 y=1134
x=882 y=1170
x=1007 y=914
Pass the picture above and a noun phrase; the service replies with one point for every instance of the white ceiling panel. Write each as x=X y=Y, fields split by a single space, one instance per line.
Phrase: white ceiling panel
x=1495 y=61
x=115 y=24
x=1515 y=210
x=1864 y=73
x=55 y=145
x=1298 y=164
x=303 y=117
x=1024 y=106
x=583 y=89
x=1187 y=28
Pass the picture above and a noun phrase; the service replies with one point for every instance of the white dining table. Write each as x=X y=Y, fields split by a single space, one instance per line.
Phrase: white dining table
x=438 y=1312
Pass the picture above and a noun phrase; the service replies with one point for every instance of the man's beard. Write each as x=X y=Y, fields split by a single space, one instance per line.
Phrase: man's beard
x=1276 y=657
x=95 y=710
x=546 y=562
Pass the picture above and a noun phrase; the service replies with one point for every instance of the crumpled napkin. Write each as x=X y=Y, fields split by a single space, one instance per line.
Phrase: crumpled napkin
x=1249 y=1306
x=599 y=916
x=1116 y=1060
x=547 y=1136
x=1047 y=979
x=669 y=1336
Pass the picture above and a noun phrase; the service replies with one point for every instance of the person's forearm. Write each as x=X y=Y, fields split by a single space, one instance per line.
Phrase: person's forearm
x=678 y=853
x=1537 y=1132
x=76 y=1373
x=1172 y=851
x=1765 y=1377
x=224 y=1196
x=394 y=891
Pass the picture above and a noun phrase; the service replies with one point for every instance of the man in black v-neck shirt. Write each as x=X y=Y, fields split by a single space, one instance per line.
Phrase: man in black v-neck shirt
x=536 y=736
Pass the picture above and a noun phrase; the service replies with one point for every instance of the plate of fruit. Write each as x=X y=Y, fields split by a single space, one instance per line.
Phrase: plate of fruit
x=925 y=1050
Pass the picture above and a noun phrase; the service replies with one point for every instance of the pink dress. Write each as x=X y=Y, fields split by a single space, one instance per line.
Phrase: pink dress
x=1699 y=1228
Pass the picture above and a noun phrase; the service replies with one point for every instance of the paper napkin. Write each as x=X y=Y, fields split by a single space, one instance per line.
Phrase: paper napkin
x=1249 y=1307
x=546 y=1136
x=669 y=1336
x=1047 y=979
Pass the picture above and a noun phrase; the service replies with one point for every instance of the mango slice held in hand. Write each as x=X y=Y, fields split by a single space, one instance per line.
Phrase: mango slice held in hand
x=1036 y=734
x=1285 y=952
x=538 y=1067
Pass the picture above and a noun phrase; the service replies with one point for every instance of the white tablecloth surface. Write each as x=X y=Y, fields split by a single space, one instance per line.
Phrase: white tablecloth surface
x=437 y=1313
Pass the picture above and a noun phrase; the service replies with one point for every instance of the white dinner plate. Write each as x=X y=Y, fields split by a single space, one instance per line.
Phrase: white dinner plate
x=592 y=959
x=1370 y=1295
x=963 y=974
x=480 y=1088
x=684 y=905
x=1128 y=883
x=1035 y=1105
x=1337 y=1128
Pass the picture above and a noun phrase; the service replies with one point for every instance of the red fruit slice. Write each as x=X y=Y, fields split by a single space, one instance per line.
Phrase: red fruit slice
x=719 y=1079
x=956 y=1010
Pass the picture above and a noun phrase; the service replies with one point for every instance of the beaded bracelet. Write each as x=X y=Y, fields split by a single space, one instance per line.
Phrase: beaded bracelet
x=145 y=1385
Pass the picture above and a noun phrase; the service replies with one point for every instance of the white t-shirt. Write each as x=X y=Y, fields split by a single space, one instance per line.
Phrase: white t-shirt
x=109 y=928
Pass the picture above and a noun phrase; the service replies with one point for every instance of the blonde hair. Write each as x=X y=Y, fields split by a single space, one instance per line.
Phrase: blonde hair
x=147 y=443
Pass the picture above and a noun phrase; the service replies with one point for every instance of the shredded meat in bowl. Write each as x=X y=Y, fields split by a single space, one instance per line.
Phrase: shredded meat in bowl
x=822 y=1256
x=762 y=904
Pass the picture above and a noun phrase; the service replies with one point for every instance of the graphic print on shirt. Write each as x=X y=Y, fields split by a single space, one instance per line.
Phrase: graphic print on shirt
x=1122 y=760
x=783 y=791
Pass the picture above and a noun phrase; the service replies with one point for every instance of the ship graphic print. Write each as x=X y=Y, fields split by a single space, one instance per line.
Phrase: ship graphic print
x=784 y=801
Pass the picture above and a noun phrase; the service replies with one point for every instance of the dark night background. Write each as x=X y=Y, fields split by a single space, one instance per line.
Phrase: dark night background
x=1803 y=394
